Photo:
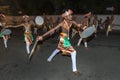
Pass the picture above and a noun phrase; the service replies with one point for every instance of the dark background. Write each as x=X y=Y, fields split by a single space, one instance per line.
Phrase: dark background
x=51 y=7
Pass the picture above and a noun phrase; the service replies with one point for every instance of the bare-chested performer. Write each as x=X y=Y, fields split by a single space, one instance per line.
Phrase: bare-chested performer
x=64 y=44
x=4 y=27
x=85 y=24
x=28 y=32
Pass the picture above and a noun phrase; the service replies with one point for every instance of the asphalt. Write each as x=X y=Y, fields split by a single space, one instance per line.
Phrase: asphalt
x=101 y=61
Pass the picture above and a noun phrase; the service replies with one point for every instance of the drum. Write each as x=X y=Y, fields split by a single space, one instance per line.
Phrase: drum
x=88 y=32
x=6 y=32
x=39 y=20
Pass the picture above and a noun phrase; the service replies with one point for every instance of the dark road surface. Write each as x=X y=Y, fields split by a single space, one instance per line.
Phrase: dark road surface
x=101 y=61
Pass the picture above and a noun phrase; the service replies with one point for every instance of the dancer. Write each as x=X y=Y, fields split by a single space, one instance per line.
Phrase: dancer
x=85 y=25
x=27 y=33
x=110 y=25
x=64 y=43
x=3 y=25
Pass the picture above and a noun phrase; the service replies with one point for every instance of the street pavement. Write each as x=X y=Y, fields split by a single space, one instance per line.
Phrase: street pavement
x=101 y=61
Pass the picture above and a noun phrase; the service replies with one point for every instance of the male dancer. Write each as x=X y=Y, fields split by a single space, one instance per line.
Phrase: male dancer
x=3 y=25
x=64 y=45
x=85 y=24
x=27 y=33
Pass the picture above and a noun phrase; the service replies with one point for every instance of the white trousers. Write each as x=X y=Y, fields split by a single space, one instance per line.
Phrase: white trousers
x=73 y=58
x=5 y=41
x=28 y=48
x=85 y=43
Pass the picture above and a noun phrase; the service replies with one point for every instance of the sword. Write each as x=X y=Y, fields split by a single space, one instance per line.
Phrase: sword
x=33 y=50
x=34 y=46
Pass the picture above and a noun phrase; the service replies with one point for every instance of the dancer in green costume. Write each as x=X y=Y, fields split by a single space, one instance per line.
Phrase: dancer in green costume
x=64 y=44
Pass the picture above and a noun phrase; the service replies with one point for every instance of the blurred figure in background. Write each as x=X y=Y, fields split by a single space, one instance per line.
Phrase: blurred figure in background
x=4 y=30
x=85 y=24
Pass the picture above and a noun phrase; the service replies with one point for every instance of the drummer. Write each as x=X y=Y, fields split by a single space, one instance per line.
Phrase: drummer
x=28 y=32
x=65 y=25
x=85 y=24
x=3 y=25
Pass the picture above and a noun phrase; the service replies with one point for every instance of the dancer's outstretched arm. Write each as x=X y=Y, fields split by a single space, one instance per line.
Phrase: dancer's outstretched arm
x=52 y=30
